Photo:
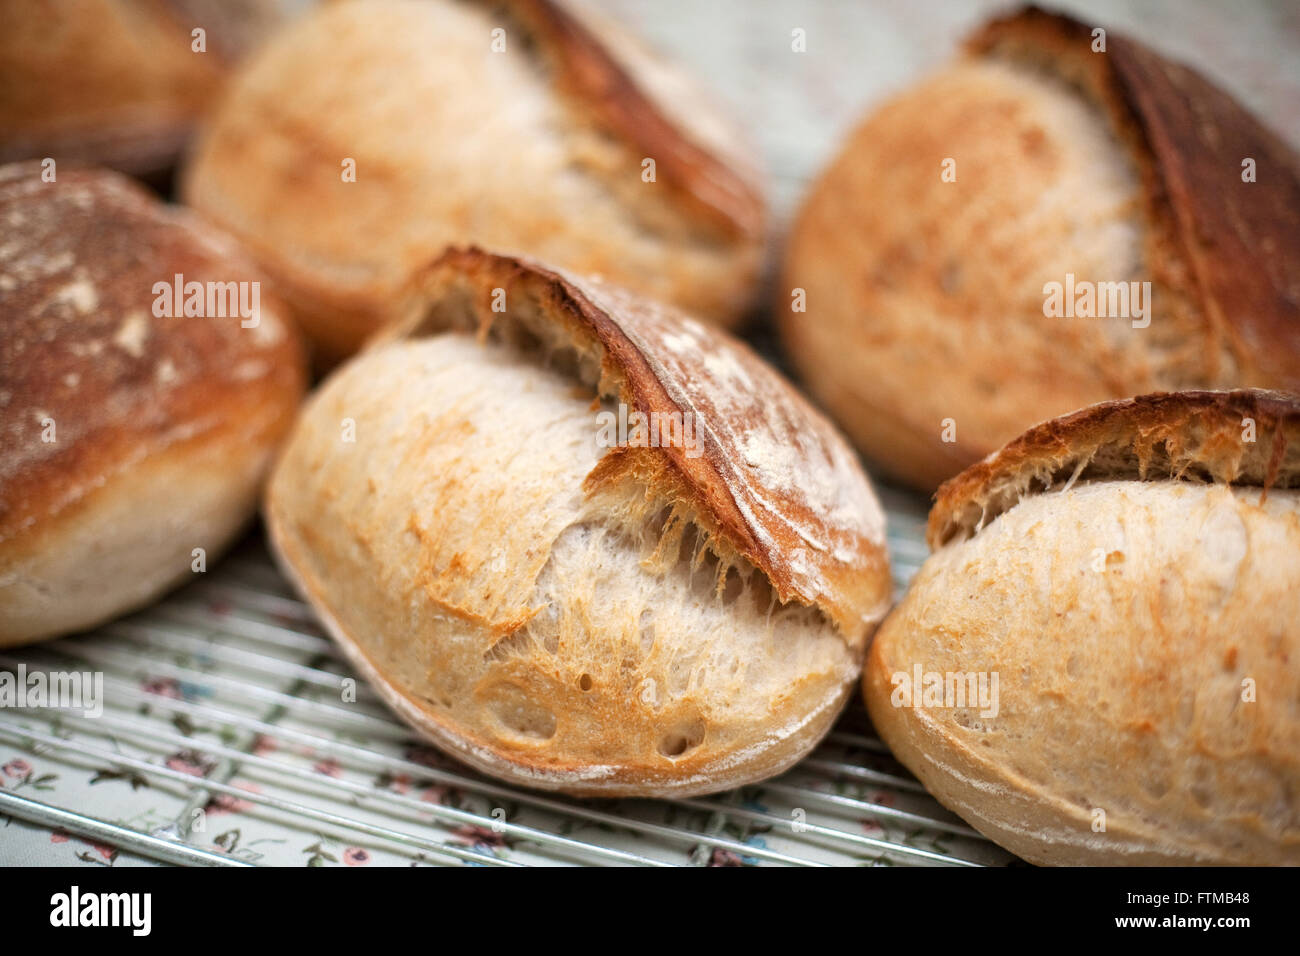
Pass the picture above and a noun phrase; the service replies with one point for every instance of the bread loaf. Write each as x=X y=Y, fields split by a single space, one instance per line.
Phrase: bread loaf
x=946 y=258
x=1125 y=582
x=131 y=438
x=369 y=136
x=562 y=601
x=118 y=82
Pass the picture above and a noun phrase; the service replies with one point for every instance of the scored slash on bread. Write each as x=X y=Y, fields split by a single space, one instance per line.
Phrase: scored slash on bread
x=1120 y=168
x=1180 y=435
x=775 y=481
x=1128 y=572
x=1235 y=247
x=623 y=621
x=611 y=78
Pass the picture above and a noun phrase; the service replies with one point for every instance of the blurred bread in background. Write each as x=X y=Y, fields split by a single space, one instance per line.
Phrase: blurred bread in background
x=565 y=606
x=368 y=136
x=131 y=436
x=925 y=252
x=119 y=82
x=1127 y=575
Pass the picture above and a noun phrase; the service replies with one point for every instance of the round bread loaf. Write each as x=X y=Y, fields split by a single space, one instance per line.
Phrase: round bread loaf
x=974 y=259
x=118 y=82
x=130 y=438
x=562 y=601
x=1100 y=661
x=368 y=137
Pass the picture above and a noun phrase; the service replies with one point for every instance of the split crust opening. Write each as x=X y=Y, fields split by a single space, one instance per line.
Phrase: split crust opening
x=552 y=609
x=1248 y=437
x=638 y=486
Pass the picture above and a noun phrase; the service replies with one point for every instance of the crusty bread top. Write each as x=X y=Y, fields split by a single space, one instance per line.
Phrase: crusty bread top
x=81 y=345
x=775 y=480
x=722 y=189
x=1243 y=437
x=1240 y=241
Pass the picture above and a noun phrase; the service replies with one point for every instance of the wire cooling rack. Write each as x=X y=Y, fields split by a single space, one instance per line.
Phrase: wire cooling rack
x=225 y=739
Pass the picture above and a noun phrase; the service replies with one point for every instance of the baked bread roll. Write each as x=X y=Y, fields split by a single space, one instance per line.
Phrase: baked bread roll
x=130 y=439
x=1077 y=174
x=118 y=82
x=1131 y=574
x=559 y=601
x=539 y=148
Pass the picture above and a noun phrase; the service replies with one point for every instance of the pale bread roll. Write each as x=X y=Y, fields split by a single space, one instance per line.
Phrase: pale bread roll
x=515 y=125
x=632 y=621
x=925 y=334
x=130 y=440
x=1131 y=573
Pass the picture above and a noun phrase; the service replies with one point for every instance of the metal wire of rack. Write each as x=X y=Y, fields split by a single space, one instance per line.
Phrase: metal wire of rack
x=224 y=740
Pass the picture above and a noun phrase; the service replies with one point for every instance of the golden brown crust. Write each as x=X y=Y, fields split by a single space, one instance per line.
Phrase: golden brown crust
x=558 y=607
x=1115 y=167
x=587 y=71
x=82 y=350
x=1137 y=646
x=1121 y=585
x=1245 y=437
x=1239 y=241
x=775 y=480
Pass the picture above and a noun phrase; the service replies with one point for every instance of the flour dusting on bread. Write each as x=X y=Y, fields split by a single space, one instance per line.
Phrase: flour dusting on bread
x=797 y=507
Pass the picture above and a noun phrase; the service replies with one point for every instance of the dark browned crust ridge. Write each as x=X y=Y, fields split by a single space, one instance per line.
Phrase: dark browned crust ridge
x=586 y=71
x=1238 y=243
x=848 y=580
x=1177 y=436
